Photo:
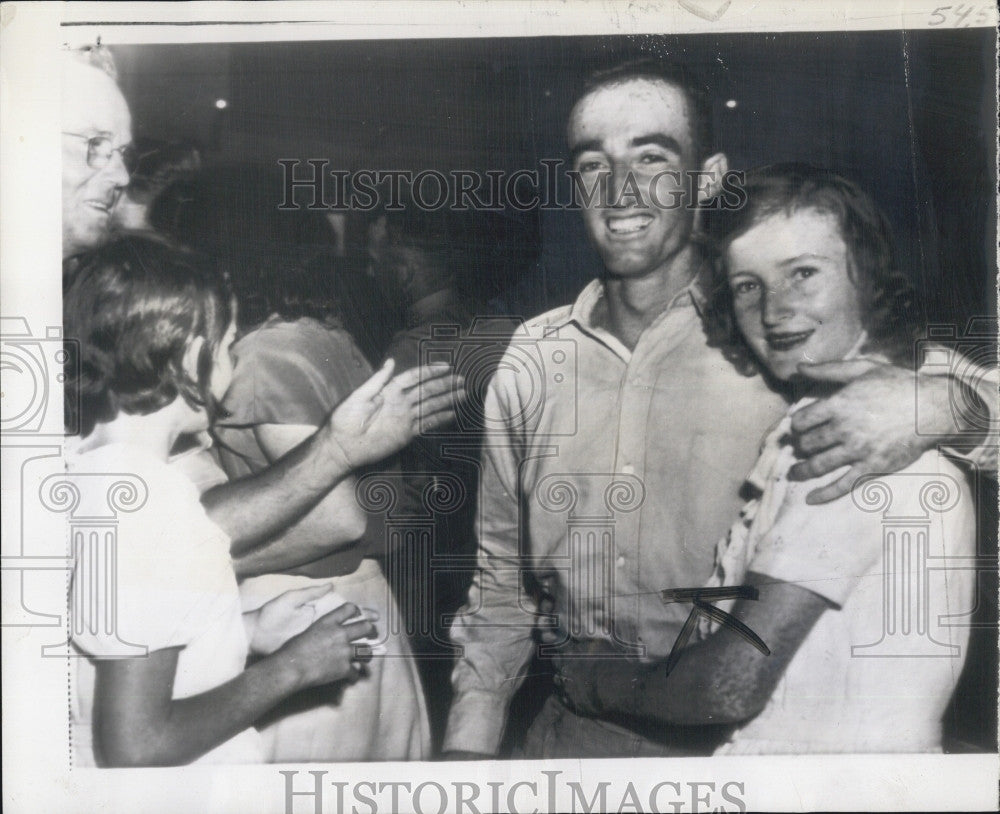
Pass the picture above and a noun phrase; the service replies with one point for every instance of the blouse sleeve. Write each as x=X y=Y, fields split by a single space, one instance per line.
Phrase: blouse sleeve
x=157 y=581
x=829 y=547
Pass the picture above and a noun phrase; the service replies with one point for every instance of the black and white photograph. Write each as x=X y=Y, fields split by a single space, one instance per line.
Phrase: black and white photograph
x=500 y=408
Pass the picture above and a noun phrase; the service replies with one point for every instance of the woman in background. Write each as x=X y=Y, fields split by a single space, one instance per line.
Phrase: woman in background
x=289 y=373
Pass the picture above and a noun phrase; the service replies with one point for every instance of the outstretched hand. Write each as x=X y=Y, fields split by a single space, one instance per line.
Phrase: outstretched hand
x=385 y=413
x=868 y=425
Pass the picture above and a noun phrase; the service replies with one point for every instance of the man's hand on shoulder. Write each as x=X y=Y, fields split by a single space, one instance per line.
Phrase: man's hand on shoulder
x=868 y=425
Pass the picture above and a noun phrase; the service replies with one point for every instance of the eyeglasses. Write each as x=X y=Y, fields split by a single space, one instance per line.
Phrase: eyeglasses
x=100 y=151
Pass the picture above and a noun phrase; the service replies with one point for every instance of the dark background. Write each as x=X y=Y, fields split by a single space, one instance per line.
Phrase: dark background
x=909 y=115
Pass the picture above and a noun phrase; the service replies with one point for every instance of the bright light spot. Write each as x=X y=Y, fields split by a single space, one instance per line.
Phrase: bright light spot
x=731 y=104
x=222 y=104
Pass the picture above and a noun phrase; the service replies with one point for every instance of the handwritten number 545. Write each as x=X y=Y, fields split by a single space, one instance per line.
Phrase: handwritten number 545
x=958 y=17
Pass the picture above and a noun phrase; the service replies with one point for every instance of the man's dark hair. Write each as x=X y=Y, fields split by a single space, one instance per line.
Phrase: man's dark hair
x=886 y=293
x=134 y=306
x=675 y=74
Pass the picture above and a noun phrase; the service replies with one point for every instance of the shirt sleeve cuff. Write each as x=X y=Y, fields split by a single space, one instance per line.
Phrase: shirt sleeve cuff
x=476 y=723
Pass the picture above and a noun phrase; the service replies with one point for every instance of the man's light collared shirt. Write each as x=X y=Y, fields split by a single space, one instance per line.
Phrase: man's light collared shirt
x=611 y=473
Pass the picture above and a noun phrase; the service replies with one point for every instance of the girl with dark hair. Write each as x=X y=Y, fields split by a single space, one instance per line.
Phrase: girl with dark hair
x=839 y=606
x=165 y=680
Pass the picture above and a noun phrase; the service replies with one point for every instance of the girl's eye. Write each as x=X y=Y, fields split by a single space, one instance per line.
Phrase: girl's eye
x=744 y=287
x=804 y=272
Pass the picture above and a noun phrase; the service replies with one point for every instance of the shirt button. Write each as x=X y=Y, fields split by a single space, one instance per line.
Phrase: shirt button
x=628 y=469
x=621 y=561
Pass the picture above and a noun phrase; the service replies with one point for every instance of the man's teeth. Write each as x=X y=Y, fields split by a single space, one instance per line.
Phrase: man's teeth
x=624 y=226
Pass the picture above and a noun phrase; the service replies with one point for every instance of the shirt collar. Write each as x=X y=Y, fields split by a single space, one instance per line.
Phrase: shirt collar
x=695 y=294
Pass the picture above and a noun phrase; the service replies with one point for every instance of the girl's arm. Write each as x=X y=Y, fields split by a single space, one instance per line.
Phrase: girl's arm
x=138 y=723
x=378 y=419
x=721 y=680
x=334 y=520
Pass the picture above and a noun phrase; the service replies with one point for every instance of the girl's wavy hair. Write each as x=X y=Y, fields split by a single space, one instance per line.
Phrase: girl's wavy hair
x=891 y=311
x=134 y=306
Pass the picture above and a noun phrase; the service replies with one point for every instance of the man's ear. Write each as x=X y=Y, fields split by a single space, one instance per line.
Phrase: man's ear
x=192 y=353
x=710 y=185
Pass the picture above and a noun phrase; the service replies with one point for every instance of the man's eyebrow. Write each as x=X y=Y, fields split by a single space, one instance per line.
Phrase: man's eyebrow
x=661 y=140
x=584 y=147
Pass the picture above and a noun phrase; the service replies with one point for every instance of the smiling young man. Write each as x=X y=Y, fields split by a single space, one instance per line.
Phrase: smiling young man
x=648 y=443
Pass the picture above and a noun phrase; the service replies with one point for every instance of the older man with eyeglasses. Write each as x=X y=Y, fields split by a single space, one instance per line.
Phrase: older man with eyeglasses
x=96 y=136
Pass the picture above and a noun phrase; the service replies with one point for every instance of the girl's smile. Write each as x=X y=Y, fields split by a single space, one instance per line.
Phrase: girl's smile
x=793 y=295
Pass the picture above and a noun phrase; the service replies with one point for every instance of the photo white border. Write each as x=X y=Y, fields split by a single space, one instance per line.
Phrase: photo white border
x=35 y=774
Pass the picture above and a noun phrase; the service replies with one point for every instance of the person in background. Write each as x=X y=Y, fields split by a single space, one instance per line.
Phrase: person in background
x=96 y=148
x=418 y=260
x=157 y=165
x=290 y=371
